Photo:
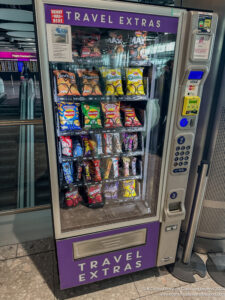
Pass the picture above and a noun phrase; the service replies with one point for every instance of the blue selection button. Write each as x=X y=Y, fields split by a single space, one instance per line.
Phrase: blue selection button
x=180 y=170
x=173 y=195
x=181 y=140
x=183 y=122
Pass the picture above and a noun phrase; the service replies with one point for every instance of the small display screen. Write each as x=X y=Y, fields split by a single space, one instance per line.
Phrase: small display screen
x=193 y=101
x=197 y=75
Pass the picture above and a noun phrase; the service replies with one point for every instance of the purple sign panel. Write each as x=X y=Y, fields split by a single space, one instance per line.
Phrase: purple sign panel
x=79 y=16
x=75 y=272
x=20 y=56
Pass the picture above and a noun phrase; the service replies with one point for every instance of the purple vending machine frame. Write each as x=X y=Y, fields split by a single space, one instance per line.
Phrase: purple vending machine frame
x=77 y=271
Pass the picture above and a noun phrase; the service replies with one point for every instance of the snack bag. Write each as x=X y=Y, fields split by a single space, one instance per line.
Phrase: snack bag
x=66 y=144
x=138 y=45
x=130 y=117
x=129 y=189
x=66 y=83
x=115 y=162
x=90 y=45
x=113 y=82
x=90 y=146
x=108 y=142
x=78 y=172
x=68 y=171
x=96 y=170
x=134 y=78
x=133 y=166
x=77 y=149
x=91 y=116
x=111 y=114
x=99 y=143
x=87 y=170
x=117 y=144
x=126 y=164
x=72 y=197
x=94 y=193
x=135 y=141
x=111 y=191
x=68 y=116
x=90 y=82
x=108 y=168
x=115 y=43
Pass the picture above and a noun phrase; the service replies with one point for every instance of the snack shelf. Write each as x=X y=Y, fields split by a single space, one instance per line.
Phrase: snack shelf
x=81 y=158
x=85 y=183
x=100 y=130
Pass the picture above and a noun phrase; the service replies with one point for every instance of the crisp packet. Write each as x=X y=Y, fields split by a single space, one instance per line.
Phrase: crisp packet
x=90 y=82
x=66 y=143
x=87 y=170
x=126 y=164
x=91 y=116
x=134 y=79
x=66 y=83
x=111 y=114
x=108 y=142
x=108 y=168
x=68 y=116
x=96 y=170
x=137 y=45
x=135 y=141
x=90 y=45
x=131 y=119
x=79 y=169
x=68 y=171
x=117 y=144
x=115 y=43
x=87 y=148
x=94 y=193
x=133 y=166
x=99 y=143
x=111 y=191
x=72 y=197
x=77 y=149
x=113 y=82
x=115 y=162
x=129 y=189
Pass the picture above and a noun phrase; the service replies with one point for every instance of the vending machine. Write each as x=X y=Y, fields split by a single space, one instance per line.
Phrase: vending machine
x=121 y=86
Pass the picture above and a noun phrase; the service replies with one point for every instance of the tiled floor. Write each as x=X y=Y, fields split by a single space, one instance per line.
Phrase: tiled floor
x=29 y=271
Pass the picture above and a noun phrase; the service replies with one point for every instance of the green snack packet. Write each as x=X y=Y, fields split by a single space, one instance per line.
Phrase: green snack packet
x=92 y=117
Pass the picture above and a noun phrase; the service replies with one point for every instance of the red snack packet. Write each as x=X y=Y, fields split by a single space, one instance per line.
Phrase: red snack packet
x=130 y=117
x=66 y=143
x=94 y=194
x=72 y=197
x=112 y=114
x=96 y=170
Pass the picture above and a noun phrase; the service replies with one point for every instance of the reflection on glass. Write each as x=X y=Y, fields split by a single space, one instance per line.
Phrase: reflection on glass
x=24 y=177
x=14 y=88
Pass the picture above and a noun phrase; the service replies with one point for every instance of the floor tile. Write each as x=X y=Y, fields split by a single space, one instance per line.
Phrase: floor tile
x=33 y=247
x=29 y=277
x=204 y=289
x=163 y=296
x=7 y=252
x=154 y=281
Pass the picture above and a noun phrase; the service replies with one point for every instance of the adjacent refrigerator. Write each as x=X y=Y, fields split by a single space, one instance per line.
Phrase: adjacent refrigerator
x=121 y=86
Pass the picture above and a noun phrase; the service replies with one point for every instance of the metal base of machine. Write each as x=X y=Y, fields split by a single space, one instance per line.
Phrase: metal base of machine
x=186 y=272
x=216 y=267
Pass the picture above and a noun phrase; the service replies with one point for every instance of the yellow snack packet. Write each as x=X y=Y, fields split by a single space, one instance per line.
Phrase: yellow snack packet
x=113 y=82
x=129 y=189
x=134 y=77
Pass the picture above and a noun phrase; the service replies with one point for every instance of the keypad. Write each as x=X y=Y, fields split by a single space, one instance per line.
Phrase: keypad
x=181 y=159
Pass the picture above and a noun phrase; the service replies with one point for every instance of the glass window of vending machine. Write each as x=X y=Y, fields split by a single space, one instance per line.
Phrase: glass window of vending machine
x=110 y=77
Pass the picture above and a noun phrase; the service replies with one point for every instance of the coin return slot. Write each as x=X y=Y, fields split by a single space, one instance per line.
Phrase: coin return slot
x=175 y=207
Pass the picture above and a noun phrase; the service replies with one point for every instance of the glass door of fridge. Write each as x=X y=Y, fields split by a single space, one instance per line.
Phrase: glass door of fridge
x=110 y=107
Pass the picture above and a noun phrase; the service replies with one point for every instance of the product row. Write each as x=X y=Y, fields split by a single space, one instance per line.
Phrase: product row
x=100 y=144
x=91 y=114
x=114 y=42
x=92 y=82
x=94 y=196
x=97 y=170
